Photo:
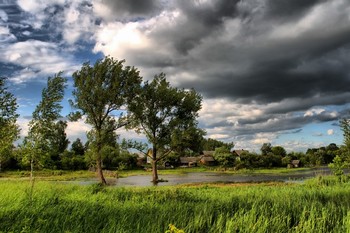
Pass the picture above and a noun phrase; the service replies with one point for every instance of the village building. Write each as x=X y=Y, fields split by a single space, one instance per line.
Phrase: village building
x=189 y=161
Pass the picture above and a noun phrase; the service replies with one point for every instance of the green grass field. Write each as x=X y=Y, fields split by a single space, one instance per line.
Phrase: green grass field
x=320 y=205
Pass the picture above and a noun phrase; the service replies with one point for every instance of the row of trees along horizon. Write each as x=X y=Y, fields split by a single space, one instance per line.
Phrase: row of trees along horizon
x=110 y=96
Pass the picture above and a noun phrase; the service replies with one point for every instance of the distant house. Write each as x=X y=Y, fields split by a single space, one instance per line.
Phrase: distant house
x=207 y=160
x=189 y=161
x=141 y=159
x=238 y=152
x=294 y=164
x=208 y=153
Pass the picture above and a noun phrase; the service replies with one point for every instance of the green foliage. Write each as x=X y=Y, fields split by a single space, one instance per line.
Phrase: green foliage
x=159 y=110
x=99 y=92
x=286 y=160
x=345 y=126
x=338 y=166
x=224 y=157
x=266 y=148
x=322 y=155
x=77 y=147
x=279 y=151
x=45 y=131
x=209 y=144
x=187 y=139
x=72 y=161
x=133 y=144
x=9 y=130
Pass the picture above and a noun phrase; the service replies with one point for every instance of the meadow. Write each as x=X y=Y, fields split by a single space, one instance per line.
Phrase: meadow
x=48 y=174
x=318 y=205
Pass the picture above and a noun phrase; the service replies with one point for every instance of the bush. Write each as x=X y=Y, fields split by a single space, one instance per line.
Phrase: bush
x=224 y=157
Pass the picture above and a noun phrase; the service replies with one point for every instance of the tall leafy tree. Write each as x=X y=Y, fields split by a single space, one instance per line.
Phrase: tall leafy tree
x=109 y=148
x=9 y=130
x=41 y=138
x=187 y=139
x=266 y=148
x=101 y=92
x=159 y=110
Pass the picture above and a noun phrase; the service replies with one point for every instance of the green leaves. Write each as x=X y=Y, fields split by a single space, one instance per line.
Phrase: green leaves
x=9 y=130
x=46 y=137
x=103 y=89
x=101 y=93
x=160 y=109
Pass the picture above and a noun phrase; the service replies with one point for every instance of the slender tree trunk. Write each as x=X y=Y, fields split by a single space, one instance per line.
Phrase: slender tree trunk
x=154 y=166
x=99 y=171
x=99 y=159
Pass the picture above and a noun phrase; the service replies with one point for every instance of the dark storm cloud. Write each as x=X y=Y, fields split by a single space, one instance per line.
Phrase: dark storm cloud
x=210 y=14
x=201 y=20
x=133 y=9
x=285 y=8
x=267 y=68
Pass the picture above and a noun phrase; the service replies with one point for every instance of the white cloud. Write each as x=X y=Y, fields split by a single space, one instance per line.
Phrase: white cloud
x=78 y=23
x=117 y=39
x=23 y=124
x=36 y=9
x=3 y=16
x=39 y=59
x=133 y=41
x=6 y=36
x=330 y=131
x=77 y=129
x=313 y=112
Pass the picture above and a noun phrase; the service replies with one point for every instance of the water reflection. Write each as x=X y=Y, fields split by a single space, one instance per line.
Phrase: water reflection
x=209 y=177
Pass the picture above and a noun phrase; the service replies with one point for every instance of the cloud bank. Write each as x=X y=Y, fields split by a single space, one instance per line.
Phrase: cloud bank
x=265 y=68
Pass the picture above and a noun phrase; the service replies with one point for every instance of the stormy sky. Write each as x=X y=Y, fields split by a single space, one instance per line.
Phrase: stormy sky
x=269 y=71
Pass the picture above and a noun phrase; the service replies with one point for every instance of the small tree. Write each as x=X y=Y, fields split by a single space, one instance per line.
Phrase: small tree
x=266 y=148
x=58 y=142
x=278 y=150
x=38 y=144
x=78 y=147
x=9 y=130
x=159 y=110
x=338 y=166
x=100 y=92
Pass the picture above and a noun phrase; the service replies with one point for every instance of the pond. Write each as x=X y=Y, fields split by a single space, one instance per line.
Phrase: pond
x=209 y=177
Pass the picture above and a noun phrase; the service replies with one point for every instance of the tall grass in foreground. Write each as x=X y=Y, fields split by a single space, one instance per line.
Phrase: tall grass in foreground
x=254 y=208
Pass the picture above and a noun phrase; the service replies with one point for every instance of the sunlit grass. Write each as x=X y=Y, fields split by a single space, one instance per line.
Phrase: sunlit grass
x=316 y=206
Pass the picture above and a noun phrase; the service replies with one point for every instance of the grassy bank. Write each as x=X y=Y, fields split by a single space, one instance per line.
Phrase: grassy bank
x=317 y=206
x=71 y=175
